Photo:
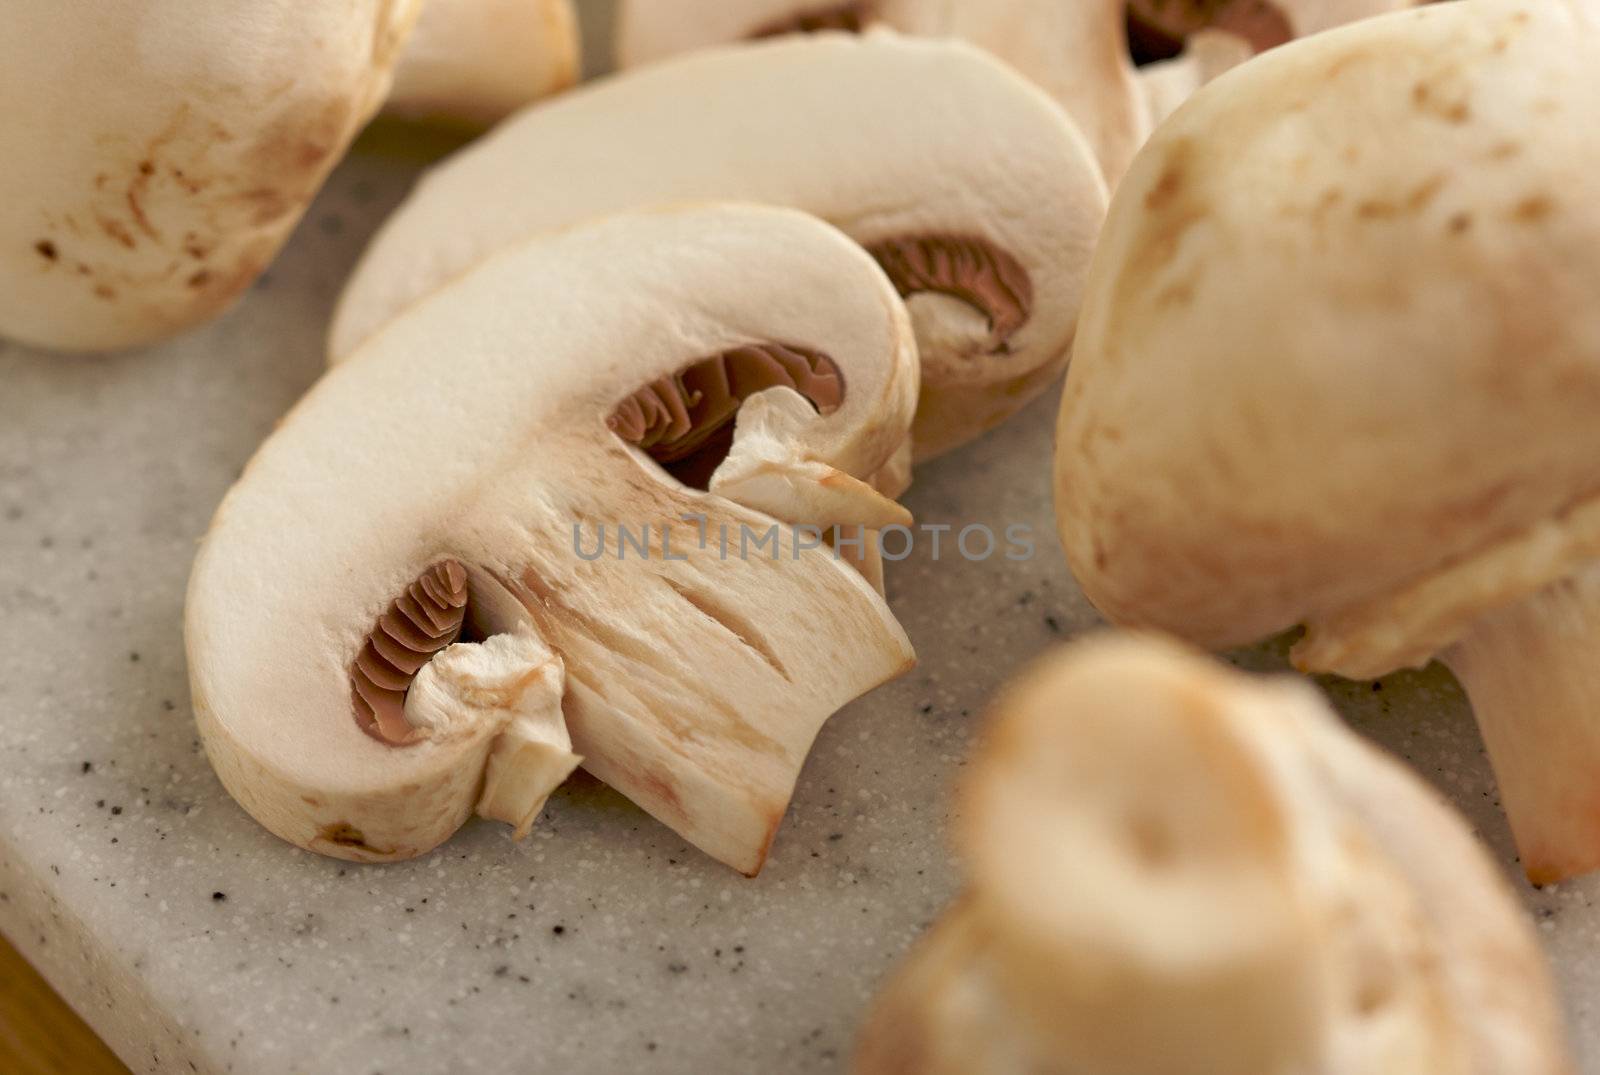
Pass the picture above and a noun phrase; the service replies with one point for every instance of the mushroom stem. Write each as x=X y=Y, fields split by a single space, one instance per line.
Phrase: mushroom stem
x=1530 y=670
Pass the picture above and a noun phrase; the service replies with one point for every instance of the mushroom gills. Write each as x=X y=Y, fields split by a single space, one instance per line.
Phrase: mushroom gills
x=1160 y=29
x=685 y=421
x=425 y=619
x=850 y=18
x=972 y=269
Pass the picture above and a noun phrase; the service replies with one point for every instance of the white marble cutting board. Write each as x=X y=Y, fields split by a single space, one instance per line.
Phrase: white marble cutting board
x=194 y=941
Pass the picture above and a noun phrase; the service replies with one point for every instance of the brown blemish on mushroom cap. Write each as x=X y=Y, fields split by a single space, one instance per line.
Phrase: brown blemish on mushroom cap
x=1158 y=29
x=345 y=835
x=848 y=17
x=419 y=623
x=964 y=267
x=676 y=416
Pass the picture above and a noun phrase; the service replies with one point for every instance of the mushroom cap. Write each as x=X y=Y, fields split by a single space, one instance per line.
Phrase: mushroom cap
x=165 y=151
x=1176 y=868
x=890 y=139
x=1340 y=333
x=1076 y=52
x=477 y=61
x=474 y=430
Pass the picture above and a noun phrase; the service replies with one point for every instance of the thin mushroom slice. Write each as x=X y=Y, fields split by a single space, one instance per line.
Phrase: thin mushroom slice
x=975 y=193
x=158 y=155
x=388 y=631
x=474 y=62
x=1298 y=476
x=1174 y=868
x=1075 y=51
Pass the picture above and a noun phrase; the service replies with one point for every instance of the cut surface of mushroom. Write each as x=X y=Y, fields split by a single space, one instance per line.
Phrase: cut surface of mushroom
x=976 y=194
x=1175 y=868
x=387 y=632
x=475 y=62
x=130 y=214
x=1298 y=474
x=1076 y=52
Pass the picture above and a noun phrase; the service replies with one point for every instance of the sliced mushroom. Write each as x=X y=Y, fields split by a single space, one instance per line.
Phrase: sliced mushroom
x=1339 y=366
x=477 y=61
x=974 y=192
x=1173 y=868
x=1075 y=50
x=130 y=211
x=1080 y=52
x=440 y=489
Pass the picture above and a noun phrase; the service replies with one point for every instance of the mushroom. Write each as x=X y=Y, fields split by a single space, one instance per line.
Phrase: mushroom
x=1075 y=50
x=158 y=155
x=1339 y=366
x=974 y=192
x=407 y=602
x=1184 y=44
x=1175 y=868
x=477 y=61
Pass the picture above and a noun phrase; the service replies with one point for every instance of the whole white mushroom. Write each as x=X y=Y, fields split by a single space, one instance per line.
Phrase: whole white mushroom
x=1339 y=366
x=159 y=154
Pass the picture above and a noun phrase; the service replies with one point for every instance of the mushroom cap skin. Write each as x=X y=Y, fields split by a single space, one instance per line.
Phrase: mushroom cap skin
x=1320 y=357
x=942 y=143
x=1175 y=868
x=474 y=62
x=129 y=212
x=1076 y=52
x=693 y=684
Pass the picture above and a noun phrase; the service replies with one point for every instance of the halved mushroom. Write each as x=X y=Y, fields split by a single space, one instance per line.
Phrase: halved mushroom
x=449 y=485
x=1075 y=50
x=158 y=155
x=968 y=185
x=1339 y=365
x=477 y=61
x=1173 y=868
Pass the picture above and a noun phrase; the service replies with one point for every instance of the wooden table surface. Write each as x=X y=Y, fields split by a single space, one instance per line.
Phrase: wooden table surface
x=39 y=1034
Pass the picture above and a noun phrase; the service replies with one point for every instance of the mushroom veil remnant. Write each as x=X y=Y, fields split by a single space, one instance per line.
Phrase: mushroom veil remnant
x=159 y=154
x=461 y=564
x=477 y=61
x=970 y=188
x=1339 y=366
x=1173 y=868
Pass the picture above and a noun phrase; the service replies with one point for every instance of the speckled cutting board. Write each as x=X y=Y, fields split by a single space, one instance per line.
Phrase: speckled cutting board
x=194 y=941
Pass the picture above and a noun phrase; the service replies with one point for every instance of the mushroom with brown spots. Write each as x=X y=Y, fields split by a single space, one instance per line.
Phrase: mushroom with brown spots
x=1174 y=868
x=128 y=214
x=474 y=62
x=418 y=600
x=1339 y=366
x=974 y=192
